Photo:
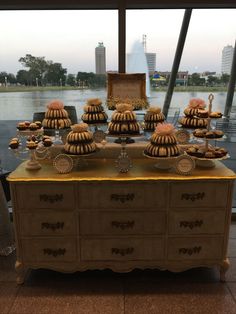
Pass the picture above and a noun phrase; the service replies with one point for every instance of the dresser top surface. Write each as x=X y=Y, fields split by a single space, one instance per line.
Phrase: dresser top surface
x=105 y=169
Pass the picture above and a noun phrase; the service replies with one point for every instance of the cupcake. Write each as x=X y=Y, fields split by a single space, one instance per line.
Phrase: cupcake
x=33 y=126
x=14 y=143
x=47 y=142
x=31 y=145
x=21 y=126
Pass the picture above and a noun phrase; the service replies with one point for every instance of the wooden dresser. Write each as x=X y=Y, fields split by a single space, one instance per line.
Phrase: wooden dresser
x=97 y=218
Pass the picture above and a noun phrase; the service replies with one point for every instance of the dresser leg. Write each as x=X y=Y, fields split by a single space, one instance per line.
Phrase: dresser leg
x=223 y=269
x=20 y=271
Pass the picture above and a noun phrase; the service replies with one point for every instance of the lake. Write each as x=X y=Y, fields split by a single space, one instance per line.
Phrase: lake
x=22 y=105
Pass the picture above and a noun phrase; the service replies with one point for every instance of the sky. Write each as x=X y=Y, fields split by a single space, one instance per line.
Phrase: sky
x=70 y=37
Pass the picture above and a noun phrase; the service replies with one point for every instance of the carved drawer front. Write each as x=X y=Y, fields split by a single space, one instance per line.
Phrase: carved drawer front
x=122 y=195
x=49 y=249
x=196 y=222
x=122 y=249
x=195 y=248
x=41 y=224
x=46 y=196
x=199 y=194
x=122 y=223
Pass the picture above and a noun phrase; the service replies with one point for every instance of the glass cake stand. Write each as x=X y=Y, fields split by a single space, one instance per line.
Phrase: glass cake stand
x=123 y=161
x=98 y=134
x=163 y=163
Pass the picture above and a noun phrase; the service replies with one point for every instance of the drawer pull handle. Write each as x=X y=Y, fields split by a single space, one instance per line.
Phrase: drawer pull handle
x=191 y=224
x=122 y=224
x=122 y=197
x=51 y=198
x=190 y=251
x=192 y=197
x=52 y=226
x=54 y=253
x=122 y=252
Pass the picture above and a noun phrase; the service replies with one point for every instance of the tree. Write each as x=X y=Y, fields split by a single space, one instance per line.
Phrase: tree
x=7 y=78
x=225 y=79
x=22 y=77
x=56 y=74
x=11 y=78
x=196 y=80
x=212 y=80
x=3 y=75
x=37 y=68
x=71 y=80
x=91 y=79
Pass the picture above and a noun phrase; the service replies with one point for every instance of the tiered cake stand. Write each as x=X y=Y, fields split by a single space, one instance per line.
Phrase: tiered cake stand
x=208 y=162
x=32 y=163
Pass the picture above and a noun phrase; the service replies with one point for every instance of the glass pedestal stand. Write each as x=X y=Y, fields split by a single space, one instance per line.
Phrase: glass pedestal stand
x=98 y=134
x=123 y=161
x=33 y=163
x=57 y=138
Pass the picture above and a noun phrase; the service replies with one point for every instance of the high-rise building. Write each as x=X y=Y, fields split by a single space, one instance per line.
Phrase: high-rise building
x=151 y=62
x=100 y=58
x=227 y=58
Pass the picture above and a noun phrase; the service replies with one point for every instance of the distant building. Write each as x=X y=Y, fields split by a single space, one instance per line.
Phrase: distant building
x=100 y=59
x=227 y=58
x=151 y=62
x=181 y=78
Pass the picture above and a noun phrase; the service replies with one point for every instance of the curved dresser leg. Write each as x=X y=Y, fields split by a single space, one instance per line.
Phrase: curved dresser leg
x=20 y=272
x=223 y=269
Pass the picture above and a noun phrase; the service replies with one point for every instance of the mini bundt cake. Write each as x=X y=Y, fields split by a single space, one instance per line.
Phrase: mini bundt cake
x=80 y=141
x=123 y=121
x=56 y=117
x=163 y=142
x=94 y=112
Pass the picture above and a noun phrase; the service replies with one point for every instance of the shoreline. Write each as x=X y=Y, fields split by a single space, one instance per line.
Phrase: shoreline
x=17 y=89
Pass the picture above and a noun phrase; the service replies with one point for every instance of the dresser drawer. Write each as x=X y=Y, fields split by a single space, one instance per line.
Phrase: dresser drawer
x=106 y=223
x=45 y=196
x=196 y=222
x=195 y=248
x=46 y=224
x=119 y=249
x=49 y=249
x=122 y=195
x=199 y=194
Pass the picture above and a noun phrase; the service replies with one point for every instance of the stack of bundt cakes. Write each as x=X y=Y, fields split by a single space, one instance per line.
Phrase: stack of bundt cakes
x=163 y=142
x=56 y=117
x=123 y=121
x=94 y=112
x=80 y=141
x=195 y=114
x=152 y=117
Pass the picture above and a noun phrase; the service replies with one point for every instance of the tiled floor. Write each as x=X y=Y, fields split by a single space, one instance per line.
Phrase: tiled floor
x=104 y=292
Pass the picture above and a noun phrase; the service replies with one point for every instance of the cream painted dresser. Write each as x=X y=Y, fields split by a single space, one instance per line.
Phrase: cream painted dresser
x=97 y=218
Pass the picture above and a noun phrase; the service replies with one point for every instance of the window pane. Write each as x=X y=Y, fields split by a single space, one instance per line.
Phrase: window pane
x=66 y=37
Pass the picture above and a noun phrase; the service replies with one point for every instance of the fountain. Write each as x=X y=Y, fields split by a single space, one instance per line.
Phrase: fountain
x=137 y=63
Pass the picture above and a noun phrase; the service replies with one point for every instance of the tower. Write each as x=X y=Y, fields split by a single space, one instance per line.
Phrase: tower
x=150 y=57
x=227 y=58
x=100 y=59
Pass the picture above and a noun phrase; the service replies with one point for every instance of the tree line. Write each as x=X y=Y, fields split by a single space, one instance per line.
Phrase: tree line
x=41 y=72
